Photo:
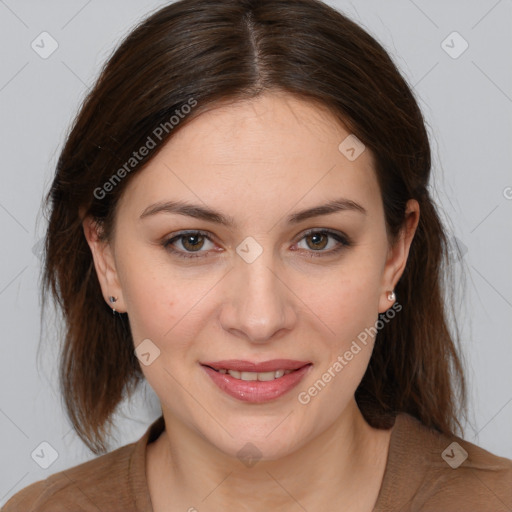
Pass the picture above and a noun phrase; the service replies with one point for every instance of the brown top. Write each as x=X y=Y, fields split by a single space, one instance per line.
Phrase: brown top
x=418 y=477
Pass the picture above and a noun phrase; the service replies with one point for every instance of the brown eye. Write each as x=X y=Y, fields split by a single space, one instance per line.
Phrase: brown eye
x=323 y=243
x=318 y=241
x=192 y=242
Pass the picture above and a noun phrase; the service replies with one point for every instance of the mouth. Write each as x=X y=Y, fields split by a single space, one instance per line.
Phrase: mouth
x=256 y=382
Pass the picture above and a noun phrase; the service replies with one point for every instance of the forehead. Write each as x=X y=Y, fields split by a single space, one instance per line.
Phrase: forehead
x=266 y=154
x=277 y=122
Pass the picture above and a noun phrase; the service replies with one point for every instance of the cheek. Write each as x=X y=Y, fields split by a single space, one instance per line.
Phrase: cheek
x=347 y=299
x=166 y=308
x=161 y=300
x=348 y=305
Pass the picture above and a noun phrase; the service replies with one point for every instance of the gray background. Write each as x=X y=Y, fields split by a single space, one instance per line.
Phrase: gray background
x=467 y=102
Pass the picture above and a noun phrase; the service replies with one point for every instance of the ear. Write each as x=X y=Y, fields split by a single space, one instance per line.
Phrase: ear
x=398 y=254
x=104 y=263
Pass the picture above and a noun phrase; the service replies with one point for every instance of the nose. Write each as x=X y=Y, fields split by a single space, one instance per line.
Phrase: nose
x=259 y=305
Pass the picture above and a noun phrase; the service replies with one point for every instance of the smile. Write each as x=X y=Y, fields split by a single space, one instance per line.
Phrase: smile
x=256 y=382
x=261 y=376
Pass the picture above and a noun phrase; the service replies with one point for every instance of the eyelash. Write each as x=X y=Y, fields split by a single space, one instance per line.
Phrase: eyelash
x=341 y=239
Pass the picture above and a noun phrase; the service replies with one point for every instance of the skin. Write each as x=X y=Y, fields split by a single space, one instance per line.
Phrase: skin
x=257 y=161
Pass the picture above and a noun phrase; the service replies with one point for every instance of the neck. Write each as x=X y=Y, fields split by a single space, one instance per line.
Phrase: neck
x=348 y=458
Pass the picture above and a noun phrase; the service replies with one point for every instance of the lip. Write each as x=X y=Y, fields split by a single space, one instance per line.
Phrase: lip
x=265 y=366
x=257 y=391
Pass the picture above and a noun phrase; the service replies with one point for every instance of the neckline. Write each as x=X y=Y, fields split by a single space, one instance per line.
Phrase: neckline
x=139 y=488
x=137 y=474
x=394 y=462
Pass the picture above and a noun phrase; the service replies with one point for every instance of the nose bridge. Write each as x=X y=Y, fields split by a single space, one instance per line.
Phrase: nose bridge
x=259 y=304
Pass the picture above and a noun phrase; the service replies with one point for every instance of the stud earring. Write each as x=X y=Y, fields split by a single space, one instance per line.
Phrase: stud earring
x=391 y=296
x=112 y=301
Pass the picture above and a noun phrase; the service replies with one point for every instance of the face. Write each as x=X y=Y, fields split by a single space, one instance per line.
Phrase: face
x=244 y=272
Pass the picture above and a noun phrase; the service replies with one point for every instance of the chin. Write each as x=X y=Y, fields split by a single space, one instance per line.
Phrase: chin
x=270 y=440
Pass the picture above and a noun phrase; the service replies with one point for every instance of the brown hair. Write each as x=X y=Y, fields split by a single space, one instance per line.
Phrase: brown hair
x=208 y=51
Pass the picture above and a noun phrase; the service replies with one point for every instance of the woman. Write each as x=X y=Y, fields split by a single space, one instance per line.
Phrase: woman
x=241 y=216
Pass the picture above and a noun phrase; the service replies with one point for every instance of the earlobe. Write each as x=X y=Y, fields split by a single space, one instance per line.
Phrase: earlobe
x=104 y=264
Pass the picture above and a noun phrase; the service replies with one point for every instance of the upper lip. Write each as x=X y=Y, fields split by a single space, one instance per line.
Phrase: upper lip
x=248 y=366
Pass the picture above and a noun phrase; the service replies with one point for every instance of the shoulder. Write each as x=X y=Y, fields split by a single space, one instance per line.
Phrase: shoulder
x=441 y=472
x=114 y=482
x=85 y=487
x=473 y=478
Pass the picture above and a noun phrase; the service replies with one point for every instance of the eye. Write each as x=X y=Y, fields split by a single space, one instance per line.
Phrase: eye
x=318 y=240
x=193 y=242
x=190 y=242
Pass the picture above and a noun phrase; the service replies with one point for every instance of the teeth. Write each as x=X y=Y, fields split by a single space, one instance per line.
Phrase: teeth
x=261 y=376
x=248 y=376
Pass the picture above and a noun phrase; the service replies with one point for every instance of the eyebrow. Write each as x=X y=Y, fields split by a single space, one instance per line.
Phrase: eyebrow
x=208 y=214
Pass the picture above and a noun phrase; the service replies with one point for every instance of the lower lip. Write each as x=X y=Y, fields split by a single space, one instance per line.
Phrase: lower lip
x=254 y=390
